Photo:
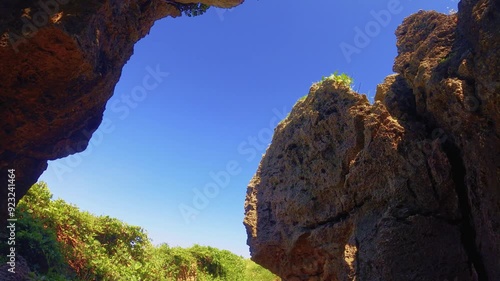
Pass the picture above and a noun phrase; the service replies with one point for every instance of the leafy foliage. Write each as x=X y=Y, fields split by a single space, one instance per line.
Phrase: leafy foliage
x=60 y=242
x=254 y=272
x=341 y=79
x=191 y=10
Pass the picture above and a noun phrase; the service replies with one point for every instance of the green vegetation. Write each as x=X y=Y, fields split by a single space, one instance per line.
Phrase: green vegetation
x=60 y=242
x=191 y=10
x=341 y=79
x=255 y=272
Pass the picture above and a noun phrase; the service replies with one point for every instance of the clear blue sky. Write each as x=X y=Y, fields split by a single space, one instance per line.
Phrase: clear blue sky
x=232 y=74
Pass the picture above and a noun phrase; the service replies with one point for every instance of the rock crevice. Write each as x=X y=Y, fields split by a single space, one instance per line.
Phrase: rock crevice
x=402 y=189
x=468 y=233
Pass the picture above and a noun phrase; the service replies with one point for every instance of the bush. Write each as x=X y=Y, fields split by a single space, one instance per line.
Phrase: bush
x=254 y=271
x=190 y=10
x=60 y=242
x=341 y=79
x=36 y=240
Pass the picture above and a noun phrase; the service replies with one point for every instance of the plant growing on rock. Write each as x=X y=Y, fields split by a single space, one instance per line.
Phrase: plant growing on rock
x=342 y=79
x=190 y=10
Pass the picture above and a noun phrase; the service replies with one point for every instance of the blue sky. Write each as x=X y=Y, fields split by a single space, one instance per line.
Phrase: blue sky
x=196 y=104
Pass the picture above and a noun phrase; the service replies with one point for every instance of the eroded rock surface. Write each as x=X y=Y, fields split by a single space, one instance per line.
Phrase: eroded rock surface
x=407 y=188
x=60 y=61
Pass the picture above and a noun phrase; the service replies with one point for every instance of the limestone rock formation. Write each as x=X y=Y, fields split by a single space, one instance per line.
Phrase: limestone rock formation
x=60 y=61
x=407 y=188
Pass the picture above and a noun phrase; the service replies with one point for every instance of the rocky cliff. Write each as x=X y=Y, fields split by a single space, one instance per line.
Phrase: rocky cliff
x=407 y=188
x=60 y=61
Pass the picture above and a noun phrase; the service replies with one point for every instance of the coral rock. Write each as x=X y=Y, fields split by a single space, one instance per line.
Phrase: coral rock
x=406 y=188
x=60 y=64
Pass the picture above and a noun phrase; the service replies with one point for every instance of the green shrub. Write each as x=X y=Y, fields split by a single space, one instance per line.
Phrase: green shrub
x=341 y=79
x=218 y=264
x=254 y=271
x=190 y=10
x=60 y=242
x=36 y=240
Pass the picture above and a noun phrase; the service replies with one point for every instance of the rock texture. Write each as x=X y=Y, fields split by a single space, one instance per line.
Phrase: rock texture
x=60 y=62
x=407 y=188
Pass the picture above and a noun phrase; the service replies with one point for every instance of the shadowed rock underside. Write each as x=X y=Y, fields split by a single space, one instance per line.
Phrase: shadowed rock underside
x=60 y=64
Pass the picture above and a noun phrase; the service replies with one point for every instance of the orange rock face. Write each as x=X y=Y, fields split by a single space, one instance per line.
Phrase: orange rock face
x=407 y=188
